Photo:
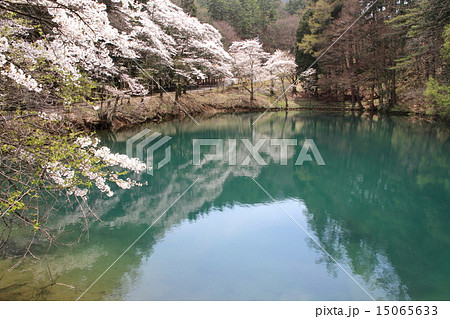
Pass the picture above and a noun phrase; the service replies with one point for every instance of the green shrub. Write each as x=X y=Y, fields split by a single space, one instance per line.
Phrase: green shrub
x=438 y=98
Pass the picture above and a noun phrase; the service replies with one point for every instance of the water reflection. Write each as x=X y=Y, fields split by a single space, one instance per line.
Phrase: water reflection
x=379 y=207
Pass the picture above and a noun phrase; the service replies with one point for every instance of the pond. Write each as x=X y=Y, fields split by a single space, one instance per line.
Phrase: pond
x=373 y=222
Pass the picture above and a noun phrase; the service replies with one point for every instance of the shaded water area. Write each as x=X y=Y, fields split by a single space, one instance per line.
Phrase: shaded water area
x=380 y=207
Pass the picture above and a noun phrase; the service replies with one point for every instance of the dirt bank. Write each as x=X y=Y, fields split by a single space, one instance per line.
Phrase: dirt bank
x=136 y=110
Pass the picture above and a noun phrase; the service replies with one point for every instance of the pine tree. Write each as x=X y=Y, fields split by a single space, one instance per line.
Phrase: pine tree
x=302 y=58
x=189 y=7
x=266 y=14
x=249 y=17
x=217 y=9
x=293 y=6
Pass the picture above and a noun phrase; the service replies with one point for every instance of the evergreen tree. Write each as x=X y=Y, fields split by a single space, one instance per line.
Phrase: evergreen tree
x=189 y=7
x=246 y=26
x=266 y=14
x=293 y=6
x=423 y=23
x=248 y=17
x=302 y=58
x=217 y=9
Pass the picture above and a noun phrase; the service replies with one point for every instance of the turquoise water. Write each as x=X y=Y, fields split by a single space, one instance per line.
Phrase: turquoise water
x=373 y=222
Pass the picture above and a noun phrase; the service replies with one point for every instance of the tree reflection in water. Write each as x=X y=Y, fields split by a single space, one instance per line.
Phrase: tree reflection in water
x=379 y=207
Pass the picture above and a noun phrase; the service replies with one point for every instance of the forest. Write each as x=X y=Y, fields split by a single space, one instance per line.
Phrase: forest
x=397 y=53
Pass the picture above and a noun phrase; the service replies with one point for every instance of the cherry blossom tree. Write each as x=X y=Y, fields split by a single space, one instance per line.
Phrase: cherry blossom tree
x=308 y=80
x=248 y=63
x=59 y=44
x=199 y=52
x=43 y=159
x=80 y=41
x=282 y=66
x=59 y=51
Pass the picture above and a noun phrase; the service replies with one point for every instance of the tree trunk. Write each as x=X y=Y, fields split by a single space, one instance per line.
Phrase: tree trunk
x=386 y=92
x=381 y=95
x=359 y=98
x=393 y=93
x=272 y=84
x=112 y=115
x=372 y=97
x=352 y=89
x=177 y=91
x=284 y=93
x=294 y=90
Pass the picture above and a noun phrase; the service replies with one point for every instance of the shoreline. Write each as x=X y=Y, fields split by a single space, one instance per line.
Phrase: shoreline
x=140 y=110
x=132 y=111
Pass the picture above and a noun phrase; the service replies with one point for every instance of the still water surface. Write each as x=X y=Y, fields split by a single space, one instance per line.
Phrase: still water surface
x=380 y=207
